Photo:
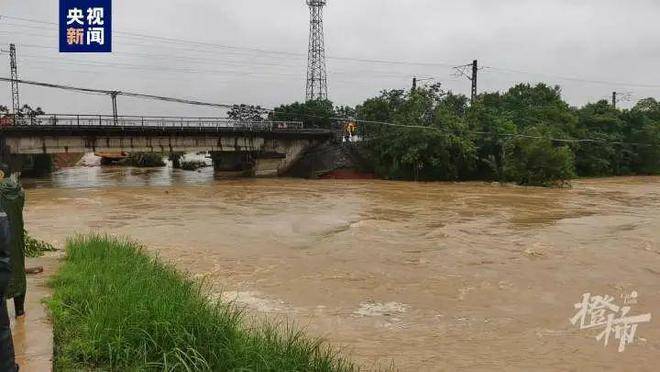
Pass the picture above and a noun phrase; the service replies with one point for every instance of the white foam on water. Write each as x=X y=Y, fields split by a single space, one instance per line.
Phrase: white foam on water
x=381 y=309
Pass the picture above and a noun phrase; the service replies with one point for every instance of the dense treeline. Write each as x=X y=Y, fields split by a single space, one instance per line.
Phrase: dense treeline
x=527 y=135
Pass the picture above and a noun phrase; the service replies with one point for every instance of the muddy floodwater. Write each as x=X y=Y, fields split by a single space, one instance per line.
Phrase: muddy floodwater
x=437 y=276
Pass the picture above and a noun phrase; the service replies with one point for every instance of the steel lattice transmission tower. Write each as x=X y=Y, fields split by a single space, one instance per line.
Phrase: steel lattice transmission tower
x=14 y=79
x=317 y=78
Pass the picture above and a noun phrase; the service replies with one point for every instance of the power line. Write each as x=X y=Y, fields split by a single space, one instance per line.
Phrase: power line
x=509 y=135
x=157 y=68
x=126 y=94
x=250 y=49
x=367 y=74
x=474 y=132
x=193 y=70
x=194 y=59
x=197 y=60
x=114 y=93
x=580 y=80
x=189 y=43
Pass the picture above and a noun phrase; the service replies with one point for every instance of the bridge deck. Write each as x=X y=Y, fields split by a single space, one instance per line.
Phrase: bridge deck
x=86 y=125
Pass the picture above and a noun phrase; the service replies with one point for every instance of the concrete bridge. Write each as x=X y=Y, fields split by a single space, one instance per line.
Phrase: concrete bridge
x=269 y=147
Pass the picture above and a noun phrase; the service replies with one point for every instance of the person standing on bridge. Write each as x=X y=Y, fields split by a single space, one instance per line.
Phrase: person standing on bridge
x=12 y=199
x=352 y=128
x=349 y=130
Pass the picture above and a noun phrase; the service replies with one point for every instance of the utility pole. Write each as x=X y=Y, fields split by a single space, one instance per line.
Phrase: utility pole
x=619 y=96
x=464 y=70
x=16 y=105
x=115 y=118
x=317 y=78
x=417 y=80
x=475 y=70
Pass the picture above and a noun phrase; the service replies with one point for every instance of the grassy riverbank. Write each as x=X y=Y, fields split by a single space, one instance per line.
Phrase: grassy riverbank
x=116 y=308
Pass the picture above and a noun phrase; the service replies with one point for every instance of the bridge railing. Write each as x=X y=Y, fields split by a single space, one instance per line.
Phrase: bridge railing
x=145 y=122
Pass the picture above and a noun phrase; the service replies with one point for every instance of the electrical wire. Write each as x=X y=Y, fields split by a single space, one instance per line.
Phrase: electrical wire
x=189 y=43
x=336 y=118
x=575 y=79
x=511 y=135
x=248 y=49
x=114 y=92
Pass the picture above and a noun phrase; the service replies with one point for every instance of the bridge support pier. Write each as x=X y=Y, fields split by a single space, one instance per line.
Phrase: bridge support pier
x=42 y=164
x=30 y=165
x=232 y=161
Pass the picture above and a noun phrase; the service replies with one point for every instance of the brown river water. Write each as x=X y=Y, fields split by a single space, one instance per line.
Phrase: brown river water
x=402 y=275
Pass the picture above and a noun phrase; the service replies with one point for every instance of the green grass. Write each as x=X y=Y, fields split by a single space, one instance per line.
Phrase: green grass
x=116 y=308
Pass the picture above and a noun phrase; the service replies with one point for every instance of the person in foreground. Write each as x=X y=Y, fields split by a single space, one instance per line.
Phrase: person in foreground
x=7 y=359
x=12 y=199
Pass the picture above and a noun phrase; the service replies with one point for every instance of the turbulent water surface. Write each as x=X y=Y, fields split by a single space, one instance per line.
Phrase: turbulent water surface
x=435 y=276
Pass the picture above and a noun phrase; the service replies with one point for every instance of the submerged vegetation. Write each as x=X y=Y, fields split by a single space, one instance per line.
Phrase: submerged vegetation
x=35 y=247
x=193 y=165
x=116 y=308
x=528 y=135
x=144 y=159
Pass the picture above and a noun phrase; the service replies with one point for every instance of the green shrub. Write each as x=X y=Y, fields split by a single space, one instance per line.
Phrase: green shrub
x=35 y=247
x=538 y=162
x=116 y=308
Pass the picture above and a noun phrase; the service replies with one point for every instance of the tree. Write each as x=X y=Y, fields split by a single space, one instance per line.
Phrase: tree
x=643 y=124
x=530 y=106
x=314 y=113
x=246 y=113
x=527 y=134
x=430 y=143
x=538 y=161
x=646 y=157
x=649 y=107
x=345 y=111
x=601 y=122
x=492 y=128
x=27 y=111
x=495 y=117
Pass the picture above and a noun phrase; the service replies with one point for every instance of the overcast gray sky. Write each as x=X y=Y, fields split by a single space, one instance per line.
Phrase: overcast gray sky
x=597 y=40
